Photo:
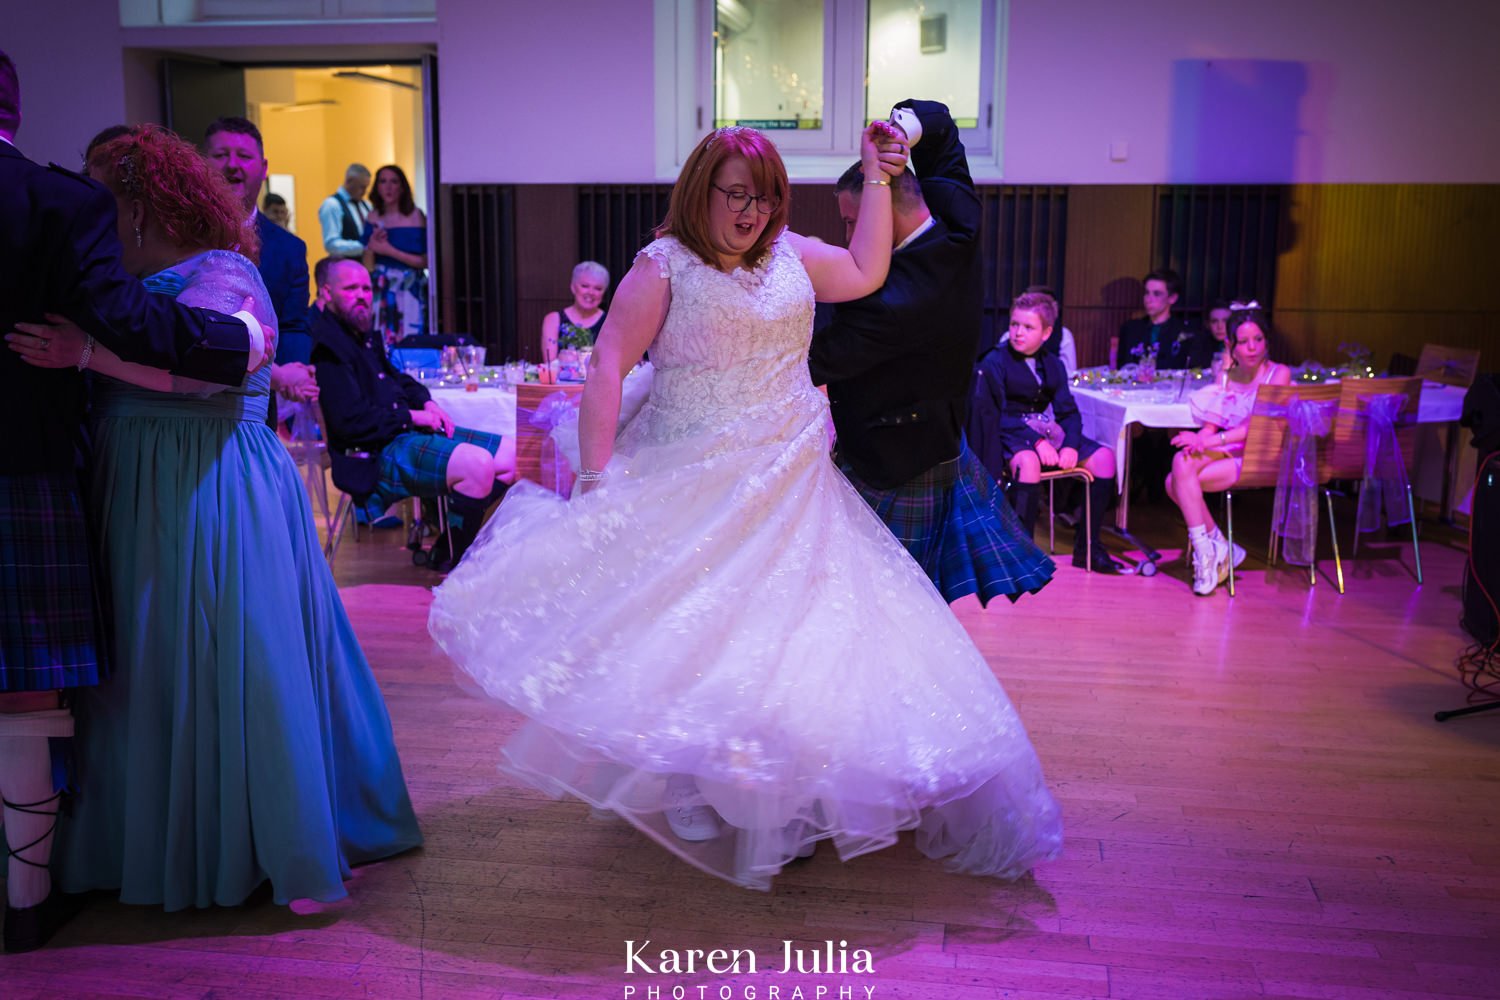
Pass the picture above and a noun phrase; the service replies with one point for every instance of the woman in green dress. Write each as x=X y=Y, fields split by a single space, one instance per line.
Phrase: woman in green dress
x=243 y=737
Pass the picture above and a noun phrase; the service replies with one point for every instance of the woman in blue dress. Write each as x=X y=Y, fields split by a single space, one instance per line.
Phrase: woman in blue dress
x=243 y=738
x=396 y=255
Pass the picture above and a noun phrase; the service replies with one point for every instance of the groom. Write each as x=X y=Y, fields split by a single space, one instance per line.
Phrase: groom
x=898 y=365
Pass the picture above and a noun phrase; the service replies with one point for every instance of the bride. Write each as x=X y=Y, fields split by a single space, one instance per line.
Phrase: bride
x=717 y=639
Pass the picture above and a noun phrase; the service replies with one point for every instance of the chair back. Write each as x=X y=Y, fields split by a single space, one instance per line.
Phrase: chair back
x=536 y=457
x=1448 y=365
x=1114 y=352
x=1269 y=429
x=1352 y=428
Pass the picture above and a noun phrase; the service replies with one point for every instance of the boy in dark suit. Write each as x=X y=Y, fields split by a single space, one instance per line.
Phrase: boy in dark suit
x=1039 y=426
x=1174 y=342
x=898 y=365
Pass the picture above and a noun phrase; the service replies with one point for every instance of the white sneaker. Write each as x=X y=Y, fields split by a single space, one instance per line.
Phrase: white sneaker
x=1238 y=549
x=1206 y=567
x=693 y=823
x=1222 y=556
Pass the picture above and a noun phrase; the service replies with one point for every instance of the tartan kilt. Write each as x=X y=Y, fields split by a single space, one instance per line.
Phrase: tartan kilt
x=960 y=529
x=51 y=621
x=415 y=464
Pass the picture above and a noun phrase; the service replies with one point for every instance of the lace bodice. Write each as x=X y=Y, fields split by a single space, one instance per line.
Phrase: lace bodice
x=733 y=346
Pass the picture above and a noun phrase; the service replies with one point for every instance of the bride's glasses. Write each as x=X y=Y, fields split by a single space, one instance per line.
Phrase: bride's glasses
x=737 y=200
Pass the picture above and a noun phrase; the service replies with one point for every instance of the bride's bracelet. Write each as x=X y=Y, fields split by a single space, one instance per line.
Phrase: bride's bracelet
x=590 y=475
x=87 y=355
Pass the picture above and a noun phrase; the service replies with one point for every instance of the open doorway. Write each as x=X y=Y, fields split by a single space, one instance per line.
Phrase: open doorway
x=316 y=120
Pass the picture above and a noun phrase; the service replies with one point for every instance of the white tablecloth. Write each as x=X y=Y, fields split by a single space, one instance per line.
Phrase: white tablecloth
x=1108 y=413
x=486 y=409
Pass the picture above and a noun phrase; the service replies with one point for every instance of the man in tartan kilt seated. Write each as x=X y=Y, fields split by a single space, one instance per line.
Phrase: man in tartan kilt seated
x=899 y=363
x=60 y=254
x=387 y=439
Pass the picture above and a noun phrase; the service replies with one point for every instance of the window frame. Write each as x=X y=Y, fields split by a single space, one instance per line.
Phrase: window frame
x=685 y=96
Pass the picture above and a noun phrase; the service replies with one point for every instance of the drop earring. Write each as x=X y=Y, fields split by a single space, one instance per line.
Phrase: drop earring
x=137 y=235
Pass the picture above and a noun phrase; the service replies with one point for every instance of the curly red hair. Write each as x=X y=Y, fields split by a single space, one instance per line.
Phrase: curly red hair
x=186 y=198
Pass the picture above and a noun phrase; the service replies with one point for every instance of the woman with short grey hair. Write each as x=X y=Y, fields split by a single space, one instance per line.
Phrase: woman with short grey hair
x=578 y=325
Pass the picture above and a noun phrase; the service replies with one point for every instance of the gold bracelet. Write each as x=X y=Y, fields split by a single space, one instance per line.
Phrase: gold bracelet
x=883 y=182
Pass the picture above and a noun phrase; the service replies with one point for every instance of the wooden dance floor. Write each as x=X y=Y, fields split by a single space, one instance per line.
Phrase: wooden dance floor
x=1258 y=804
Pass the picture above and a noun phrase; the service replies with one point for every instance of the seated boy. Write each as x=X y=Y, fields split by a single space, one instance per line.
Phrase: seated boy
x=1039 y=424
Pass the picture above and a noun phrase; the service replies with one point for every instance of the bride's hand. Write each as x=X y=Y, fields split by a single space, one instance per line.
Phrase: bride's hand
x=57 y=343
x=890 y=148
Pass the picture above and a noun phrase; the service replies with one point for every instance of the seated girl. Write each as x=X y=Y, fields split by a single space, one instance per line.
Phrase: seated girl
x=1039 y=424
x=1208 y=459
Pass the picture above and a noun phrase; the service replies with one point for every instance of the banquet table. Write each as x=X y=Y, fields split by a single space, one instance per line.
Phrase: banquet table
x=542 y=455
x=489 y=408
x=1108 y=412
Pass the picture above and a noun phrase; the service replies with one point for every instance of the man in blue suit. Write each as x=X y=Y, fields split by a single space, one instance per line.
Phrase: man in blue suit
x=234 y=146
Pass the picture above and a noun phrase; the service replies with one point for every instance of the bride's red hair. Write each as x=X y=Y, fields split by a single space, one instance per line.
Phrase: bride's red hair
x=188 y=199
x=687 y=210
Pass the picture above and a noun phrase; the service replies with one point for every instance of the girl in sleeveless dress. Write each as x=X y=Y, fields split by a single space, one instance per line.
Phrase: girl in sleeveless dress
x=717 y=639
x=242 y=738
x=1208 y=459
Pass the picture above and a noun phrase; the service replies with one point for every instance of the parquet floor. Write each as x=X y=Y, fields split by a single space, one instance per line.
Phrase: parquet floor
x=1258 y=804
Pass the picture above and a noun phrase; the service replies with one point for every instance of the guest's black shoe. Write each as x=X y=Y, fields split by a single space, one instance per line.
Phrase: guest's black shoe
x=1102 y=562
x=30 y=927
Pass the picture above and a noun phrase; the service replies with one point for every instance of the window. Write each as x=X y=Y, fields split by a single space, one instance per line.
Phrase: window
x=768 y=64
x=813 y=73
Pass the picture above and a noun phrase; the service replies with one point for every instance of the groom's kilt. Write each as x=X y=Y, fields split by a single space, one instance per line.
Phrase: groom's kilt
x=51 y=625
x=960 y=529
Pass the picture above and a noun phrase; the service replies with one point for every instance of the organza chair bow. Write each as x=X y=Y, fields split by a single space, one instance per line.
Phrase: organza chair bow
x=1371 y=445
x=556 y=409
x=1283 y=450
x=1383 y=489
x=1294 y=516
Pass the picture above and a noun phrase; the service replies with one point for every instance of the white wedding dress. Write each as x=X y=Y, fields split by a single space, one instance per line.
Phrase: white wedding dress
x=726 y=606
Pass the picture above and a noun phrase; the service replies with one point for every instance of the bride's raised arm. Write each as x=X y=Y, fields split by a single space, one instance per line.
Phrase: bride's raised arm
x=634 y=318
x=839 y=275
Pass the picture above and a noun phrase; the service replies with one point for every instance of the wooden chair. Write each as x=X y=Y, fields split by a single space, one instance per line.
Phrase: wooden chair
x=1114 y=352
x=536 y=456
x=1050 y=477
x=1351 y=434
x=1267 y=437
x=1448 y=365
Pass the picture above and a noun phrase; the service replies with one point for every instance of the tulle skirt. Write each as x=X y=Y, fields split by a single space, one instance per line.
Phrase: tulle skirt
x=726 y=607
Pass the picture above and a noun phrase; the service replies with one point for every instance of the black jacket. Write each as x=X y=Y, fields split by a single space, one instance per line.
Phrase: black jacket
x=898 y=363
x=59 y=253
x=1005 y=392
x=366 y=401
x=1178 y=344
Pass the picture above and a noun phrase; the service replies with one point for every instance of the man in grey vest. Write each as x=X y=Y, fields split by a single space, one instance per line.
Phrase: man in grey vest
x=343 y=213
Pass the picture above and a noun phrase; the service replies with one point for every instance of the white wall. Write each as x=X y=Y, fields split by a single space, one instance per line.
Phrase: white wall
x=1377 y=91
x=72 y=74
x=1278 y=90
x=546 y=92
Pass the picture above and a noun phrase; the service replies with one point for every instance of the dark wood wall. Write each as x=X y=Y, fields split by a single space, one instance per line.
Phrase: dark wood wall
x=1389 y=266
